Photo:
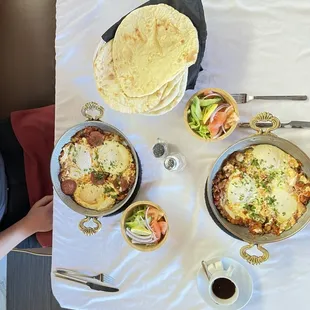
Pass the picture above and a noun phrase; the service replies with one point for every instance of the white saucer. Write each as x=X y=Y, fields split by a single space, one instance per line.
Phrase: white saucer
x=244 y=283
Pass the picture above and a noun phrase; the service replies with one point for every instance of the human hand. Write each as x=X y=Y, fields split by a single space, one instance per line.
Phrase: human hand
x=40 y=216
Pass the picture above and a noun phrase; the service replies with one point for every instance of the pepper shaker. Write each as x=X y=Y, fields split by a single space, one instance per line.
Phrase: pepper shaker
x=160 y=149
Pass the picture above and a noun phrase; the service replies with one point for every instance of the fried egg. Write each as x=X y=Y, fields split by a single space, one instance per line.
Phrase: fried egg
x=240 y=190
x=113 y=157
x=77 y=160
x=271 y=157
x=94 y=197
x=286 y=204
x=260 y=187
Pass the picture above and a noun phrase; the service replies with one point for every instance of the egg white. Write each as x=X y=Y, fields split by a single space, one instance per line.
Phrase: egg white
x=271 y=157
x=77 y=160
x=286 y=204
x=83 y=157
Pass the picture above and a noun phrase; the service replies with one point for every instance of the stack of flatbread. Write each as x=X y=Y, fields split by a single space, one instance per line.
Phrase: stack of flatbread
x=144 y=68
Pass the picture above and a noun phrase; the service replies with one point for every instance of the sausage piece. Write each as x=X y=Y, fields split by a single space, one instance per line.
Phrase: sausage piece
x=124 y=185
x=95 y=138
x=68 y=187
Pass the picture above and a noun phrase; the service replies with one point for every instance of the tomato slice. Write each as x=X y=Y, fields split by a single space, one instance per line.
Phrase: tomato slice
x=156 y=229
x=218 y=120
x=163 y=227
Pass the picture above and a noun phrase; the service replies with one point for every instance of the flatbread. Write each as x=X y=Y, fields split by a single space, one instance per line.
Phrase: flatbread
x=170 y=97
x=110 y=90
x=152 y=45
x=109 y=87
x=171 y=86
x=175 y=102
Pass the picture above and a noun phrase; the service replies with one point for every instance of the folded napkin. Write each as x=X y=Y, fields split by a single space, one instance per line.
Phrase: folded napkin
x=193 y=9
x=34 y=130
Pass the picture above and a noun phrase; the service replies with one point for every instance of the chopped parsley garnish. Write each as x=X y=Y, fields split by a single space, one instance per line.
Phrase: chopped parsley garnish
x=283 y=213
x=255 y=162
x=257 y=217
x=260 y=201
x=275 y=210
x=271 y=176
x=265 y=185
x=113 y=164
x=245 y=181
x=249 y=207
x=108 y=190
x=271 y=201
x=70 y=148
x=241 y=197
x=99 y=175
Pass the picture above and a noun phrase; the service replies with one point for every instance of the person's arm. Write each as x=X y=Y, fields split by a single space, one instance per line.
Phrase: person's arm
x=39 y=219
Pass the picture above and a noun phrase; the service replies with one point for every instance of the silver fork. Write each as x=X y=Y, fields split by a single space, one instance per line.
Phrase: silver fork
x=103 y=277
x=244 y=98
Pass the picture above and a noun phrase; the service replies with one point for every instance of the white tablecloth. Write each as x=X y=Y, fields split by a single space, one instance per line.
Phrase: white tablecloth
x=258 y=47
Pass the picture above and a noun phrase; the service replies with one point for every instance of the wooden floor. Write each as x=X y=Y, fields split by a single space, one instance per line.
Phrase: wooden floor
x=29 y=283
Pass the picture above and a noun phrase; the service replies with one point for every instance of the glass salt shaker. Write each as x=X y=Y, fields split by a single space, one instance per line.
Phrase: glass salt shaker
x=160 y=149
x=175 y=162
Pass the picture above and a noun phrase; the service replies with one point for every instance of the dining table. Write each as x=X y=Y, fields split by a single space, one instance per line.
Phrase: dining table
x=255 y=47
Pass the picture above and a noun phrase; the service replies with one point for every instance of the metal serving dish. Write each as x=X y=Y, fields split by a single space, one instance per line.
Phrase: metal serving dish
x=90 y=215
x=263 y=136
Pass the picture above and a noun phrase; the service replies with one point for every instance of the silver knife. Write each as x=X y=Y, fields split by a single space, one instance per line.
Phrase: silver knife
x=292 y=124
x=93 y=286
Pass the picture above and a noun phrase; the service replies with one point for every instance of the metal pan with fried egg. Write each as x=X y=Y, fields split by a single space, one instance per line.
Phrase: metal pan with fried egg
x=263 y=136
x=91 y=215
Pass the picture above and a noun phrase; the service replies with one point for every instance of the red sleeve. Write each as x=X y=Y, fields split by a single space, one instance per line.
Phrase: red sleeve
x=34 y=130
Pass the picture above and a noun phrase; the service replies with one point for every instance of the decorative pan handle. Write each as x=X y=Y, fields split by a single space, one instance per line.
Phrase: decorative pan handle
x=92 y=106
x=254 y=259
x=265 y=117
x=89 y=231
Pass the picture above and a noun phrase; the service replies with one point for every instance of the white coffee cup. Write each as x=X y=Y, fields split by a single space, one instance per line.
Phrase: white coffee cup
x=216 y=271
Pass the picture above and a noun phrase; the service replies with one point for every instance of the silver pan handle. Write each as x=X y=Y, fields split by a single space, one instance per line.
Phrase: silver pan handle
x=90 y=107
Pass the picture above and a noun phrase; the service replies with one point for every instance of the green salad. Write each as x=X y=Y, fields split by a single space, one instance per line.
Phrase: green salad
x=146 y=225
x=210 y=116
